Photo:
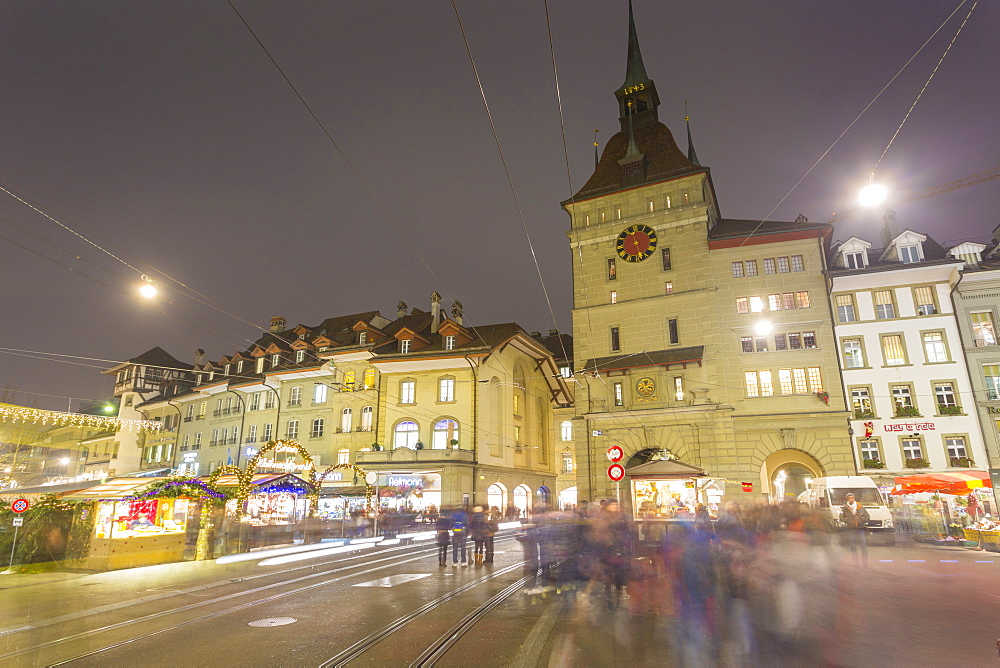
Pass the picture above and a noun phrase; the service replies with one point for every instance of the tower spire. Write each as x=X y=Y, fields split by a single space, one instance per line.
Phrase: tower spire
x=637 y=96
x=635 y=71
x=692 y=154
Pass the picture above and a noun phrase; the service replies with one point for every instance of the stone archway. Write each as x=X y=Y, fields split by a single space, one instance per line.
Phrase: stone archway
x=795 y=465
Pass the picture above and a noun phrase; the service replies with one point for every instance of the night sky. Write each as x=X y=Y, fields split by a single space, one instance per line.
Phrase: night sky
x=162 y=132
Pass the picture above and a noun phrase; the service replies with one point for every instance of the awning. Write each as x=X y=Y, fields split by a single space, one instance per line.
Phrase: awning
x=665 y=468
x=947 y=483
x=119 y=488
x=331 y=491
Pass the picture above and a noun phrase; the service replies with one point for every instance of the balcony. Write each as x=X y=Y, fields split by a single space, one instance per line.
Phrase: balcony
x=217 y=413
x=406 y=455
x=189 y=418
x=982 y=342
x=199 y=417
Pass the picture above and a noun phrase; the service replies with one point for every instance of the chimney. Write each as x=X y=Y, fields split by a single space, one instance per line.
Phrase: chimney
x=278 y=323
x=536 y=335
x=889 y=229
x=199 y=356
x=435 y=311
x=553 y=332
x=401 y=309
x=456 y=311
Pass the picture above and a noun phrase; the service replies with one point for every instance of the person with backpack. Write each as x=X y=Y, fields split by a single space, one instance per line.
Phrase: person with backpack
x=459 y=536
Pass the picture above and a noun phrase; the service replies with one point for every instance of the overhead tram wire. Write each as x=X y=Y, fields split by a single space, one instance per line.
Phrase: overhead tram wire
x=506 y=170
x=856 y=119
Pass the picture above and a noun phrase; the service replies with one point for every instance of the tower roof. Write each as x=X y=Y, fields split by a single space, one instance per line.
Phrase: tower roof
x=635 y=71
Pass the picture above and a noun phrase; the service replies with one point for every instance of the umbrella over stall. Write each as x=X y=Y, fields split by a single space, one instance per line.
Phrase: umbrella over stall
x=944 y=483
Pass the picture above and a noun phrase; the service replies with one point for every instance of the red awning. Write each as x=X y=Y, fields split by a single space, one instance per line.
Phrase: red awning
x=946 y=483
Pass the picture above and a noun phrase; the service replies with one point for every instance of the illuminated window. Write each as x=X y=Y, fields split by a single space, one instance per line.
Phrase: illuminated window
x=797 y=263
x=756 y=305
x=366 y=418
x=853 y=355
x=517 y=404
x=319 y=393
x=799 y=379
x=884 y=308
x=934 y=347
x=567 y=462
x=752 y=386
x=742 y=305
x=750 y=267
x=362 y=338
x=275 y=360
x=445 y=431
x=737 y=270
x=785 y=380
x=861 y=400
x=766 y=387
x=815 y=379
x=612 y=270
x=300 y=355
x=295 y=398
x=924 y=299
x=669 y=288
x=566 y=431
x=350 y=379
x=260 y=365
x=404 y=346
x=446 y=389
x=317 y=428
x=774 y=302
x=293 y=429
x=783 y=265
x=802 y=299
x=845 y=308
x=619 y=395
x=769 y=265
x=346 y=418
x=678 y=388
x=449 y=342
x=344 y=456
x=983 y=329
x=892 y=350
x=405 y=435
x=407 y=392
x=614 y=296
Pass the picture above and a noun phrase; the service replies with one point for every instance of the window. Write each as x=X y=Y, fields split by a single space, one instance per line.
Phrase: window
x=405 y=435
x=215 y=437
x=934 y=348
x=404 y=346
x=746 y=344
x=678 y=388
x=884 y=307
x=271 y=400
x=275 y=360
x=901 y=397
x=924 y=298
x=774 y=302
x=614 y=296
x=295 y=398
x=809 y=339
x=567 y=462
x=566 y=372
x=854 y=260
x=893 y=353
x=407 y=392
x=758 y=383
x=260 y=365
x=861 y=402
x=908 y=254
x=785 y=381
x=268 y=432
x=912 y=449
x=760 y=344
x=756 y=305
x=769 y=265
x=346 y=417
x=319 y=393
x=517 y=404
x=293 y=429
x=742 y=305
x=945 y=394
x=869 y=452
x=446 y=389
x=782 y=265
x=197 y=441
x=788 y=300
x=619 y=395
x=186 y=442
x=344 y=456
x=612 y=270
x=616 y=343
x=252 y=434
x=368 y=379
x=983 y=329
x=225 y=369
x=362 y=338
x=235 y=437
x=799 y=378
x=991 y=375
x=445 y=431
x=815 y=379
x=449 y=342
x=190 y=413
x=956 y=450
x=845 y=308
x=300 y=355
x=750 y=266
x=255 y=401
x=672 y=330
x=517 y=435
x=366 y=418
x=802 y=298
x=665 y=253
x=669 y=288
x=649 y=204
x=618 y=209
x=797 y=263
x=737 y=270
x=350 y=378
x=239 y=366
x=854 y=357
x=668 y=201
x=566 y=430
x=780 y=342
x=317 y=428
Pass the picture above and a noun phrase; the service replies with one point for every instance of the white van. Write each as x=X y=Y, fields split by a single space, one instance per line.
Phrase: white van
x=827 y=496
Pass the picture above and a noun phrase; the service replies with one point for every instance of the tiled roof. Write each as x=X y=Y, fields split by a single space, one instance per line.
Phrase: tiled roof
x=159 y=357
x=728 y=228
x=650 y=358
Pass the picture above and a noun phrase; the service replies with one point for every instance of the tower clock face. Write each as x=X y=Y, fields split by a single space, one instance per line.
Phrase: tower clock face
x=636 y=243
x=645 y=387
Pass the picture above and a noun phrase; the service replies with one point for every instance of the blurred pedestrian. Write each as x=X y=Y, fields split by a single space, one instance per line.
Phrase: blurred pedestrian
x=492 y=527
x=612 y=535
x=459 y=536
x=443 y=528
x=477 y=531
x=854 y=518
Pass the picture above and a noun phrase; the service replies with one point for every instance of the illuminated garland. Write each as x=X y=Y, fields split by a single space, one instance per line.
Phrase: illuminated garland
x=24 y=414
x=360 y=472
x=197 y=487
x=244 y=479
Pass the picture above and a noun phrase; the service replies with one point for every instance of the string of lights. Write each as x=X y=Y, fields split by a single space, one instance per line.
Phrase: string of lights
x=24 y=414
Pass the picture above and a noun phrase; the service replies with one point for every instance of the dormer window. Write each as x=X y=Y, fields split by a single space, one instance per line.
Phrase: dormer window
x=404 y=346
x=909 y=254
x=449 y=342
x=300 y=355
x=854 y=260
x=362 y=338
x=260 y=365
x=239 y=367
x=225 y=369
x=275 y=360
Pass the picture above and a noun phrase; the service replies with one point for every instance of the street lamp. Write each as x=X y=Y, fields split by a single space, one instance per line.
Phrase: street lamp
x=872 y=194
x=148 y=289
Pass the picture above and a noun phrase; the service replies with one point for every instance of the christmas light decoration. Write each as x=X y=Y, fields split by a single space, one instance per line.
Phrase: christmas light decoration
x=180 y=488
x=317 y=481
x=24 y=414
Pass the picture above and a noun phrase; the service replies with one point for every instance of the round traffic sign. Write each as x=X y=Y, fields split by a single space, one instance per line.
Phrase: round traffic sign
x=615 y=453
x=616 y=472
x=20 y=505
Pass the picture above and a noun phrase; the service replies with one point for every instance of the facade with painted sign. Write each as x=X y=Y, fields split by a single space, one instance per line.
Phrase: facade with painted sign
x=904 y=367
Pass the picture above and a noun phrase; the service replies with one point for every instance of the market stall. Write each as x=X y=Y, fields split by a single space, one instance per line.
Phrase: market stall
x=665 y=490
x=948 y=507
x=274 y=507
x=141 y=521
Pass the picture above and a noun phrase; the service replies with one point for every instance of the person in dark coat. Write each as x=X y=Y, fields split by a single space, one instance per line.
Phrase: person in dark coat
x=477 y=531
x=492 y=527
x=459 y=536
x=854 y=518
x=443 y=528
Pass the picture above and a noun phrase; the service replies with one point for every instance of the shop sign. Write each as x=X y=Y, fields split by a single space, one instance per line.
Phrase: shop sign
x=747 y=486
x=401 y=481
x=993 y=409
x=250 y=452
x=190 y=457
x=291 y=467
x=910 y=426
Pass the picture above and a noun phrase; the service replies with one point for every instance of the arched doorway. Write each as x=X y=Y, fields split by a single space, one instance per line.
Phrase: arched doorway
x=542 y=497
x=522 y=500
x=567 y=498
x=786 y=473
x=496 y=496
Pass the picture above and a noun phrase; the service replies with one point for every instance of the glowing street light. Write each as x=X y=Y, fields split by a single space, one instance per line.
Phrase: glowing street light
x=148 y=290
x=763 y=328
x=872 y=194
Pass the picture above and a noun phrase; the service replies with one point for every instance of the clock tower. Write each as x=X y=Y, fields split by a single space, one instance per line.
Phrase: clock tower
x=658 y=325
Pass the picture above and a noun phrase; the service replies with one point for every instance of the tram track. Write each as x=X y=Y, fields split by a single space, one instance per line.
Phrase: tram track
x=393 y=561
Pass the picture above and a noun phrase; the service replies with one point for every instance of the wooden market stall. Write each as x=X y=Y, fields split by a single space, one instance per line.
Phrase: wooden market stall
x=666 y=490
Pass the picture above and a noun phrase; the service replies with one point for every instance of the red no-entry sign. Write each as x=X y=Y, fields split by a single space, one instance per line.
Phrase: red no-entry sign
x=20 y=505
x=616 y=472
x=615 y=453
